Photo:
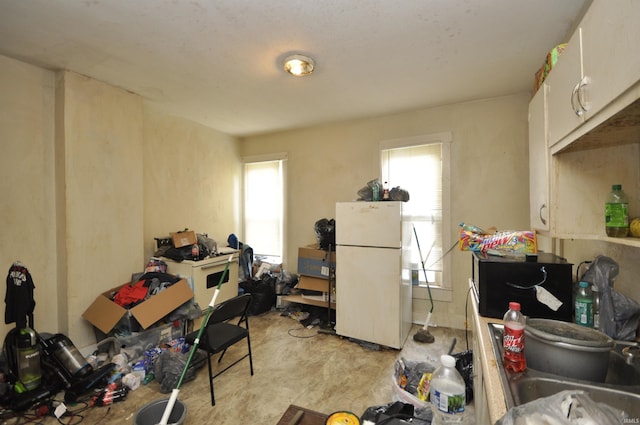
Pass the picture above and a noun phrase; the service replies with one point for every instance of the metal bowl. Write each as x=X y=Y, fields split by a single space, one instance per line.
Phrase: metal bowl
x=567 y=349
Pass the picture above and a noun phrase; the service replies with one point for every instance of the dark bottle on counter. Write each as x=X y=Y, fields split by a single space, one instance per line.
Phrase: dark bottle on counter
x=596 y=306
x=513 y=340
x=616 y=213
x=195 y=252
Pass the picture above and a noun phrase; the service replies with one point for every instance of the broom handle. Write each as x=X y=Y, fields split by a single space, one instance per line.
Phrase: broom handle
x=176 y=390
x=424 y=271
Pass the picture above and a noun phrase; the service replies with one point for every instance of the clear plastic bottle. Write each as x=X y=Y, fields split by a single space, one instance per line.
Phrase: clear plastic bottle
x=616 y=213
x=447 y=393
x=376 y=190
x=584 y=305
x=513 y=340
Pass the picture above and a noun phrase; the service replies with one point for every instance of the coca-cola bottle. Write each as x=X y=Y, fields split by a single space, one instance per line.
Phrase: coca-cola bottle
x=513 y=341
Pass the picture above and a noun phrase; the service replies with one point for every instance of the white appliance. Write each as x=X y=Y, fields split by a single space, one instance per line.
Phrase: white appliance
x=373 y=300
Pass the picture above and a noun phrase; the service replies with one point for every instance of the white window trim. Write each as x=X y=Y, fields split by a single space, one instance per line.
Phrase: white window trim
x=277 y=156
x=444 y=292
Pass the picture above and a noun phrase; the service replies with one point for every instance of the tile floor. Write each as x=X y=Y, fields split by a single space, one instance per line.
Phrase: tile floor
x=293 y=365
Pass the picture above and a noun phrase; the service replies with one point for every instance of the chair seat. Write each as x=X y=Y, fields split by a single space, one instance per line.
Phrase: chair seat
x=217 y=336
x=221 y=335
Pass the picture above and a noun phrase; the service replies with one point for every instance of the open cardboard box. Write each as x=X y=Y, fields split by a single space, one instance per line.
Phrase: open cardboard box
x=104 y=314
x=184 y=238
x=315 y=262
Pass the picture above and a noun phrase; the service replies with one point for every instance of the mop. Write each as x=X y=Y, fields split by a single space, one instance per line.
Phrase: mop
x=176 y=390
x=423 y=334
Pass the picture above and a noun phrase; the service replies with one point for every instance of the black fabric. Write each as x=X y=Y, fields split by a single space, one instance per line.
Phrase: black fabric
x=19 y=297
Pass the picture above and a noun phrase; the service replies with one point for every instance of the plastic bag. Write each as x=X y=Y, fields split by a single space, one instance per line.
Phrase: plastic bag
x=619 y=315
x=169 y=366
x=566 y=407
x=366 y=192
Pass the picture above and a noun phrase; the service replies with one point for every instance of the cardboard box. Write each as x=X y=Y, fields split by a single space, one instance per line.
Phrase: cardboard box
x=184 y=238
x=313 y=284
x=104 y=314
x=315 y=262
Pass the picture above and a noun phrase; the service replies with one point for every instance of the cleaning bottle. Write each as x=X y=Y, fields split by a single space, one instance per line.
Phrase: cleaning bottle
x=513 y=341
x=616 y=213
x=584 y=305
x=447 y=393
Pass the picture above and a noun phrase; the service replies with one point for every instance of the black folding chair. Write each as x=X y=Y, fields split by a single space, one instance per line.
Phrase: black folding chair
x=220 y=333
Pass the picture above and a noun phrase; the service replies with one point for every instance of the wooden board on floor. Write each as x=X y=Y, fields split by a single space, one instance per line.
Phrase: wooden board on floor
x=309 y=417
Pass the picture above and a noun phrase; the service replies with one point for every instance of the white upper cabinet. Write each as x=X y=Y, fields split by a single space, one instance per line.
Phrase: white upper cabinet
x=563 y=83
x=601 y=61
x=538 y=162
x=610 y=50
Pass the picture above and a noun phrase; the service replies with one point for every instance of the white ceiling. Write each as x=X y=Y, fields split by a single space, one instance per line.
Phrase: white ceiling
x=218 y=62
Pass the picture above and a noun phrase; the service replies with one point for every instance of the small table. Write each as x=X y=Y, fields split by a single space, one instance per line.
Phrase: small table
x=309 y=417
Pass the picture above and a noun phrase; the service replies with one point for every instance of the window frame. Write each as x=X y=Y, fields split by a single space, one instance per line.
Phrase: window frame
x=443 y=291
x=254 y=159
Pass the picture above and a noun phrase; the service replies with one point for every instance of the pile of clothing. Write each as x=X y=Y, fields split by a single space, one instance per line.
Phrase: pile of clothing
x=142 y=288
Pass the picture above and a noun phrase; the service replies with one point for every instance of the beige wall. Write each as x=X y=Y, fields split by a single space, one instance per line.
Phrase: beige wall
x=91 y=175
x=100 y=128
x=489 y=174
x=27 y=189
x=192 y=179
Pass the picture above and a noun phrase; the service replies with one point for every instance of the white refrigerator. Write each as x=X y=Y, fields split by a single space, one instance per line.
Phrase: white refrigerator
x=373 y=300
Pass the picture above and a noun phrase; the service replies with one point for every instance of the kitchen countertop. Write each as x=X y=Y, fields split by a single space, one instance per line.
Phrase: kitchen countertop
x=493 y=385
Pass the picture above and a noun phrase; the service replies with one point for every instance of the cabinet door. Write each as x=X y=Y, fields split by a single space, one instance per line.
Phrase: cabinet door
x=538 y=162
x=563 y=82
x=610 y=50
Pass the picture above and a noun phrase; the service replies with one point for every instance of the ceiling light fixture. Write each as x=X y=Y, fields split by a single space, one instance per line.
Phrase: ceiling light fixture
x=299 y=65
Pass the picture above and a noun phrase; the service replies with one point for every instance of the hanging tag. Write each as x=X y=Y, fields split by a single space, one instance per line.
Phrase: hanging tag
x=547 y=298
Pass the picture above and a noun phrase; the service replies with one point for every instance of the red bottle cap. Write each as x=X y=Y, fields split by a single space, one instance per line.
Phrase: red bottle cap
x=514 y=306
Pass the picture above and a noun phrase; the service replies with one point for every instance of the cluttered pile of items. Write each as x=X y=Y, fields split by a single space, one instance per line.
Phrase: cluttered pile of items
x=140 y=330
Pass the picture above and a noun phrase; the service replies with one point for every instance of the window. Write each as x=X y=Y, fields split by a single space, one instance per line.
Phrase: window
x=264 y=205
x=420 y=165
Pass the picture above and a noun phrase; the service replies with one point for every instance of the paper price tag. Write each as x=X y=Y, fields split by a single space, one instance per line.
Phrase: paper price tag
x=547 y=298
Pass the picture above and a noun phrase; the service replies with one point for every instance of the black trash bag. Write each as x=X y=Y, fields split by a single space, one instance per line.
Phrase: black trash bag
x=178 y=254
x=326 y=233
x=169 y=367
x=399 y=410
x=263 y=293
x=398 y=194
x=464 y=365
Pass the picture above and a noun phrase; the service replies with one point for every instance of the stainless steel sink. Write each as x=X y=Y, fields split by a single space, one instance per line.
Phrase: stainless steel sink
x=621 y=388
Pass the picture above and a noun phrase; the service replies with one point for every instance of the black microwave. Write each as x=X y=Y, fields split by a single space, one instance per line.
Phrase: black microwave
x=499 y=280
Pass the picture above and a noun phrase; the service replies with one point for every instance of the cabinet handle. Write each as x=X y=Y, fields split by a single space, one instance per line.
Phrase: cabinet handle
x=581 y=95
x=542 y=219
x=574 y=95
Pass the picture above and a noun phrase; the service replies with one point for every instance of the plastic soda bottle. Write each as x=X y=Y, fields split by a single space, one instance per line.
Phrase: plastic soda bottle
x=584 y=305
x=447 y=393
x=513 y=341
x=616 y=213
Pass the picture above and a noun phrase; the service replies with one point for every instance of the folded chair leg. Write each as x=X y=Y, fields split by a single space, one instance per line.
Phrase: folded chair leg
x=213 y=400
x=250 y=356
